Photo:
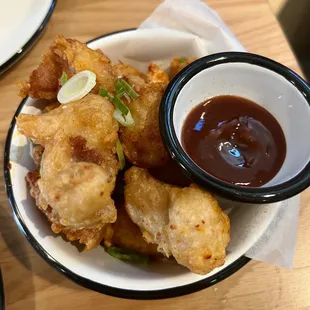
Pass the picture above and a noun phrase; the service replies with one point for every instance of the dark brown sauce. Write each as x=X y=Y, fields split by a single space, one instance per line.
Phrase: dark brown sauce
x=235 y=140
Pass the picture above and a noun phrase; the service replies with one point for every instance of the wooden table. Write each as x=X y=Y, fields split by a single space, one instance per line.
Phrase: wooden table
x=30 y=283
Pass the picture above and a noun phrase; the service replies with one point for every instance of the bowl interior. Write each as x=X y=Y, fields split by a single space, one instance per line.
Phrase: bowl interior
x=248 y=222
x=263 y=86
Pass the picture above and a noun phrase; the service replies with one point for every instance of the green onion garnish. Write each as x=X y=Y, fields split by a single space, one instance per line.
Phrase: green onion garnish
x=120 y=154
x=124 y=120
x=183 y=59
x=123 y=87
x=119 y=88
x=127 y=255
x=104 y=93
x=120 y=105
x=63 y=79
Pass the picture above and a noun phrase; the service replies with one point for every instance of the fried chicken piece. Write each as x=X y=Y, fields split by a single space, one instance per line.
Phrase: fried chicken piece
x=127 y=235
x=157 y=75
x=78 y=57
x=198 y=231
x=185 y=223
x=80 y=194
x=146 y=201
x=83 y=130
x=44 y=81
x=142 y=142
x=70 y=56
x=51 y=106
x=179 y=63
x=91 y=237
x=79 y=165
x=121 y=70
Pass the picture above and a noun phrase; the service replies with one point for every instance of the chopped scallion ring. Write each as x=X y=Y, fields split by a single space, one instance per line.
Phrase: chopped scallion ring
x=77 y=87
x=120 y=154
x=124 y=120
x=122 y=87
x=183 y=59
x=63 y=79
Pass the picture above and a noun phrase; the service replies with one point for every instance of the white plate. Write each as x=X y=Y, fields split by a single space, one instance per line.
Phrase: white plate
x=21 y=23
x=96 y=269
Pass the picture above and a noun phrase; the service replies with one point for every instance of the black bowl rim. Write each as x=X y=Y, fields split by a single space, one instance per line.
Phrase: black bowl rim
x=245 y=194
x=101 y=288
x=27 y=46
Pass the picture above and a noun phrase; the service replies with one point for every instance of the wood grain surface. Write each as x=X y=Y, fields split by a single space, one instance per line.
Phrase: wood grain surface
x=30 y=283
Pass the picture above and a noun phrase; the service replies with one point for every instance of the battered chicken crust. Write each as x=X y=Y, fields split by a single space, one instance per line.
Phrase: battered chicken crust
x=127 y=235
x=157 y=75
x=186 y=223
x=147 y=201
x=142 y=142
x=121 y=70
x=73 y=129
x=69 y=56
x=43 y=82
x=90 y=237
x=179 y=63
x=198 y=230
x=78 y=168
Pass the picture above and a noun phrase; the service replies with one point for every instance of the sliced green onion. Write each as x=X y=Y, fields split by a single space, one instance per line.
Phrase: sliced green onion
x=104 y=93
x=127 y=255
x=120 y=154
x=127 y=97
x=122 y=87
x=120 y=105
x=183 y=59
x=119 y=88
x=77 y=87
x=63 y=79
x=124 y=120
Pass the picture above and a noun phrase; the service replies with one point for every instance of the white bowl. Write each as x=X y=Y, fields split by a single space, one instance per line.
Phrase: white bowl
x=96 y=269
x=273 y=86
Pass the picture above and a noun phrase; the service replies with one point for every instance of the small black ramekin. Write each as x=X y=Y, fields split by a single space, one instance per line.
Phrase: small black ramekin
x=270 y=194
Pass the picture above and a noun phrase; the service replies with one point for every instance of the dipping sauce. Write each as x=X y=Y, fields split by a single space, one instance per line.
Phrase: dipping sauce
x=235 y=140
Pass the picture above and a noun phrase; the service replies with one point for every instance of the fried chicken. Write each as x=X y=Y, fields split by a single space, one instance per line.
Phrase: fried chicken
x=179 y=63
x=90 y=237
x=157 y=75
x=78 y=168
x=127 y=235
x=142 y=142
x=70 y=56
x=185 y=223
x=198 y=230
x=43 y=82
x=121 y=70
x=84 y=128
x=147 y=201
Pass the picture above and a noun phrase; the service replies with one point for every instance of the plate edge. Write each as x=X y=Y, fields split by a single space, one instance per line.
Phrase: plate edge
x=29 y=44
